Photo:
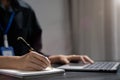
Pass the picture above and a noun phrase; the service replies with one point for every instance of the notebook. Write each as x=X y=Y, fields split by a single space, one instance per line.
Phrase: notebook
x=97 y=66
x=23 y=74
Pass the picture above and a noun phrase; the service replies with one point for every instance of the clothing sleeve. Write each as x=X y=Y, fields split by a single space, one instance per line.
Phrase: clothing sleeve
x=35 y=37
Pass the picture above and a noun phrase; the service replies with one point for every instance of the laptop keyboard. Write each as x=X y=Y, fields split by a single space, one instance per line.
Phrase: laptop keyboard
x=97 y=66
x=103 y=66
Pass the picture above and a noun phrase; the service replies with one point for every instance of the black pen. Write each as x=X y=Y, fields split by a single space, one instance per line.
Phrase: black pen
x=31 y=49
x=24 y=42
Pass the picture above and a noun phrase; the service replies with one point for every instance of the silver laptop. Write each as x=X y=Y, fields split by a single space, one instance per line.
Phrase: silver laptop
x=97 y=66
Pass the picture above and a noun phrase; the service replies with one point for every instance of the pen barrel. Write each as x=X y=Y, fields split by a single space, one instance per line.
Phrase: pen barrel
x=25 y=43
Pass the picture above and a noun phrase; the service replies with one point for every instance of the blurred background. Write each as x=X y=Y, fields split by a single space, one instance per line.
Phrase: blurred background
x=86 y=27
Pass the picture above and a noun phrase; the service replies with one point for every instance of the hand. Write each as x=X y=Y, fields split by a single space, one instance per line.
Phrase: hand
x=29 y=61
x=65 y=59
x=34 y=61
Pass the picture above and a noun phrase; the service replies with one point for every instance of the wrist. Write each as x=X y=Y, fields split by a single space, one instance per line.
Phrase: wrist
x=9 y=62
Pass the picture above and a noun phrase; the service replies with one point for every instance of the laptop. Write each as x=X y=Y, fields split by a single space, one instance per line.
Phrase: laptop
x=26 y=74
x=97 y=66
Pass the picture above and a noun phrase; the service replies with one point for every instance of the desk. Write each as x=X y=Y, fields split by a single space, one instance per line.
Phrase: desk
x=71 y=76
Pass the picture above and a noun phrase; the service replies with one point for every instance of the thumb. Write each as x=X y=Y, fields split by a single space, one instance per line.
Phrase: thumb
x=65 y=61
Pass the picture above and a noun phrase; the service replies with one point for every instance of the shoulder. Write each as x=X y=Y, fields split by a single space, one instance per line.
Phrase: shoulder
x=24 y=6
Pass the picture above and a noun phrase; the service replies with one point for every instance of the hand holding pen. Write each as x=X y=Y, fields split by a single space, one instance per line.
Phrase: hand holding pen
x=33 y=60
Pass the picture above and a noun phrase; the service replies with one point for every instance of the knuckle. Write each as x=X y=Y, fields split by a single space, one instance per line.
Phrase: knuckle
x=81 y=56
x=84 y=55
x=74 y=55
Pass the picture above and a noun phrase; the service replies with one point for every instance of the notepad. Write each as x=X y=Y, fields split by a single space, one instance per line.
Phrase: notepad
x=22 y=74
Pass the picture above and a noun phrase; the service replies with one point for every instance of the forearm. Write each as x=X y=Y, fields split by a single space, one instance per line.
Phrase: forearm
x=9 y=62
x=29 y=61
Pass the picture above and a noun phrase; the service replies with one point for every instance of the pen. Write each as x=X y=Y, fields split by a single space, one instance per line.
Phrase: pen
x=31 y=49
x=24 y=42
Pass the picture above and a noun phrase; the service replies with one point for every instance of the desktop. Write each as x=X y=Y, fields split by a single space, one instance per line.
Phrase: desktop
x=69 y=75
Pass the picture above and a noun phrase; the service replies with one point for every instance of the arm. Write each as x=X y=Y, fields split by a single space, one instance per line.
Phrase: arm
x=7 y=62
x=29 y=61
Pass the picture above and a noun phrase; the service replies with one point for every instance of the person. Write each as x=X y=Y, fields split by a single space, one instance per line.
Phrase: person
x=17 y=19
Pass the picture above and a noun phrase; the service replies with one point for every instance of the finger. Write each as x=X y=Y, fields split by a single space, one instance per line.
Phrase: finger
x=87 y=59
x=38 y=62
x=82 y=59
x=41 y=58
x=74 y=58
x=32 y=66
x=64 y=60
